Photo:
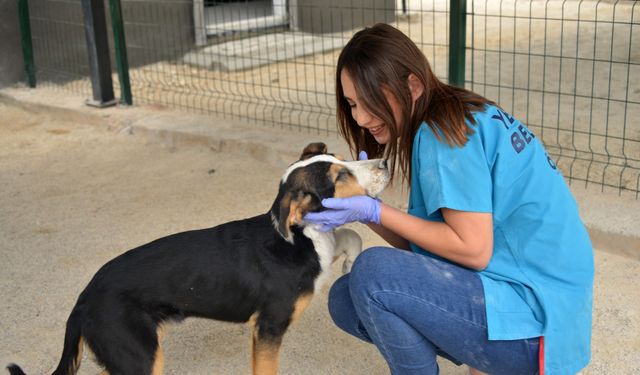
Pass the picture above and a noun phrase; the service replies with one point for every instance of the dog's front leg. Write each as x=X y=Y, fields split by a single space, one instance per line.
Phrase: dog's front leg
x=349 y=243
x=268 y=330
x=265 y=355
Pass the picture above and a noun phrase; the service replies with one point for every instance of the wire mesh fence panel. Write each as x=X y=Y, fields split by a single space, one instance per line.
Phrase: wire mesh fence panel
x=264 y=61
x=59 y=46
x=568 y=69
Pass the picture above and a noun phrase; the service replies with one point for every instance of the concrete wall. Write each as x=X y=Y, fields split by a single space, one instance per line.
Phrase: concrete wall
x=11 y=63
x=156 y=30
x=330 y=16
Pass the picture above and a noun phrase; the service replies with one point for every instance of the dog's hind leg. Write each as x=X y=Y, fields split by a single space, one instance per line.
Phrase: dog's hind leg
x=126 y=344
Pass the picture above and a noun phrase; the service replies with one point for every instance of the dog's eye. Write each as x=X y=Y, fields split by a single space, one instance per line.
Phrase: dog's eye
x=343 y=175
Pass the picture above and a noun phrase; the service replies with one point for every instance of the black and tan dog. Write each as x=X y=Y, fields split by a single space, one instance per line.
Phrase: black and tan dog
x=262 y=270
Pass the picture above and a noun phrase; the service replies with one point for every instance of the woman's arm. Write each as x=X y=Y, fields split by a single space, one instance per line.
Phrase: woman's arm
x=389 y=236
x=464 y=237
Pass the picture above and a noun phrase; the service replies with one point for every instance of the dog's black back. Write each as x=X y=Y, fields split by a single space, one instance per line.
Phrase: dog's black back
x=223 y=273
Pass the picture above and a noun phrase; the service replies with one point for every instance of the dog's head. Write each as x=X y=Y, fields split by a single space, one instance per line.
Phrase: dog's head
x=319 y=175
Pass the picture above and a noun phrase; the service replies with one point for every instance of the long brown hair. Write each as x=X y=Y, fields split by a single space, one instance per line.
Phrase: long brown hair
x=382 y=57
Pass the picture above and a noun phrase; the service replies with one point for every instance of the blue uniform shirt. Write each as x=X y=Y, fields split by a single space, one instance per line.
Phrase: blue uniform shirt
x=539 y=279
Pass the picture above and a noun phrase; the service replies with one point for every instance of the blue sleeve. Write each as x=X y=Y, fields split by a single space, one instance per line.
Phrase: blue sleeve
x=457 y=178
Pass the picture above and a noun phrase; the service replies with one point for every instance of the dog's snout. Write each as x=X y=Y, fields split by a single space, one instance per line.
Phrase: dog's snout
x=382 y=164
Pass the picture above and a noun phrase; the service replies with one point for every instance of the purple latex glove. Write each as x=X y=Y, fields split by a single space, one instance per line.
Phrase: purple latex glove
x=340 y=211
x=363 y=155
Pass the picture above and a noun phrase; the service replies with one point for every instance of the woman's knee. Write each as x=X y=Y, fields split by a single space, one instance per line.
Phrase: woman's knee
x=372 y=259
x=361 y=280
x=373 y=266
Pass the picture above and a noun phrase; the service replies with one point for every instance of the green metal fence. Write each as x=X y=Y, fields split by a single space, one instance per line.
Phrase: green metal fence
x=58 y=45
x=568 y=69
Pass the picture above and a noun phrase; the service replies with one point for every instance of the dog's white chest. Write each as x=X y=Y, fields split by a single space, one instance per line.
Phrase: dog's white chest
x=324 y=244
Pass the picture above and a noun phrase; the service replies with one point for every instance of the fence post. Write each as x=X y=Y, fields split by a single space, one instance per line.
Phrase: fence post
x=95 y=28
x=457 y=41
x=25 y=39
x=120 y=46
x=199 y=23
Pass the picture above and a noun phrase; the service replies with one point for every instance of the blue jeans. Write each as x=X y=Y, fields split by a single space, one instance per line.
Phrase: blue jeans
x=413 y=308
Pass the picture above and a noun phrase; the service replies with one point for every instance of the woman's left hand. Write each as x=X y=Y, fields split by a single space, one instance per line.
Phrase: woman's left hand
x=345 y=210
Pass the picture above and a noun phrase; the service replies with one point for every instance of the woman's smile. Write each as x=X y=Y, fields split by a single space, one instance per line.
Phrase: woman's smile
x=375 y=130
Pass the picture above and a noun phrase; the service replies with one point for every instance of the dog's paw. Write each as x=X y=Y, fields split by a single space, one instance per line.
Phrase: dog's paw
x=349 y=243
x=346 y=265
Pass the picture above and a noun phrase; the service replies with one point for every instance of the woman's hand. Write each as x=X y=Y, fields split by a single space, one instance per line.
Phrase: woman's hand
x=341 y=211
x=346 y=210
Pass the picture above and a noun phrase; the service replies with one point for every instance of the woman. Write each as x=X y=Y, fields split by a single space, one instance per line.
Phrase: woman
x=499 y=262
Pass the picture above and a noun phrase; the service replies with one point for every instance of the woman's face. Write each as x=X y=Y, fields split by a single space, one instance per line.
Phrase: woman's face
x=361 y=114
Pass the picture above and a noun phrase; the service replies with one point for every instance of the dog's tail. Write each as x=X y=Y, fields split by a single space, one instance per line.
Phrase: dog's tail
x=72 y=351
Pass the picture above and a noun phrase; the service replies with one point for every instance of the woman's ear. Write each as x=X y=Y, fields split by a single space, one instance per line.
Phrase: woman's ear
x=415 y=86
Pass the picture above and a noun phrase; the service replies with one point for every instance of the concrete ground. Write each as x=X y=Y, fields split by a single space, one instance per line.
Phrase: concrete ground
x=82 y=185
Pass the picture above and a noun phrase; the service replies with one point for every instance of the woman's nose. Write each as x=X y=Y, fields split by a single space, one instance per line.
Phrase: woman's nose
x=362 y=117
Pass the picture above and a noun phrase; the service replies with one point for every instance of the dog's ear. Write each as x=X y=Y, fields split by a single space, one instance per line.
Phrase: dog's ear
x=281 y=217
x=292 y=209
x=313 y=149
x=303 y=203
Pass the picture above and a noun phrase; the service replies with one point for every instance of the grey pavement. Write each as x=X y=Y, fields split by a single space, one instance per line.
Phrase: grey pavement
x=612 y=220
